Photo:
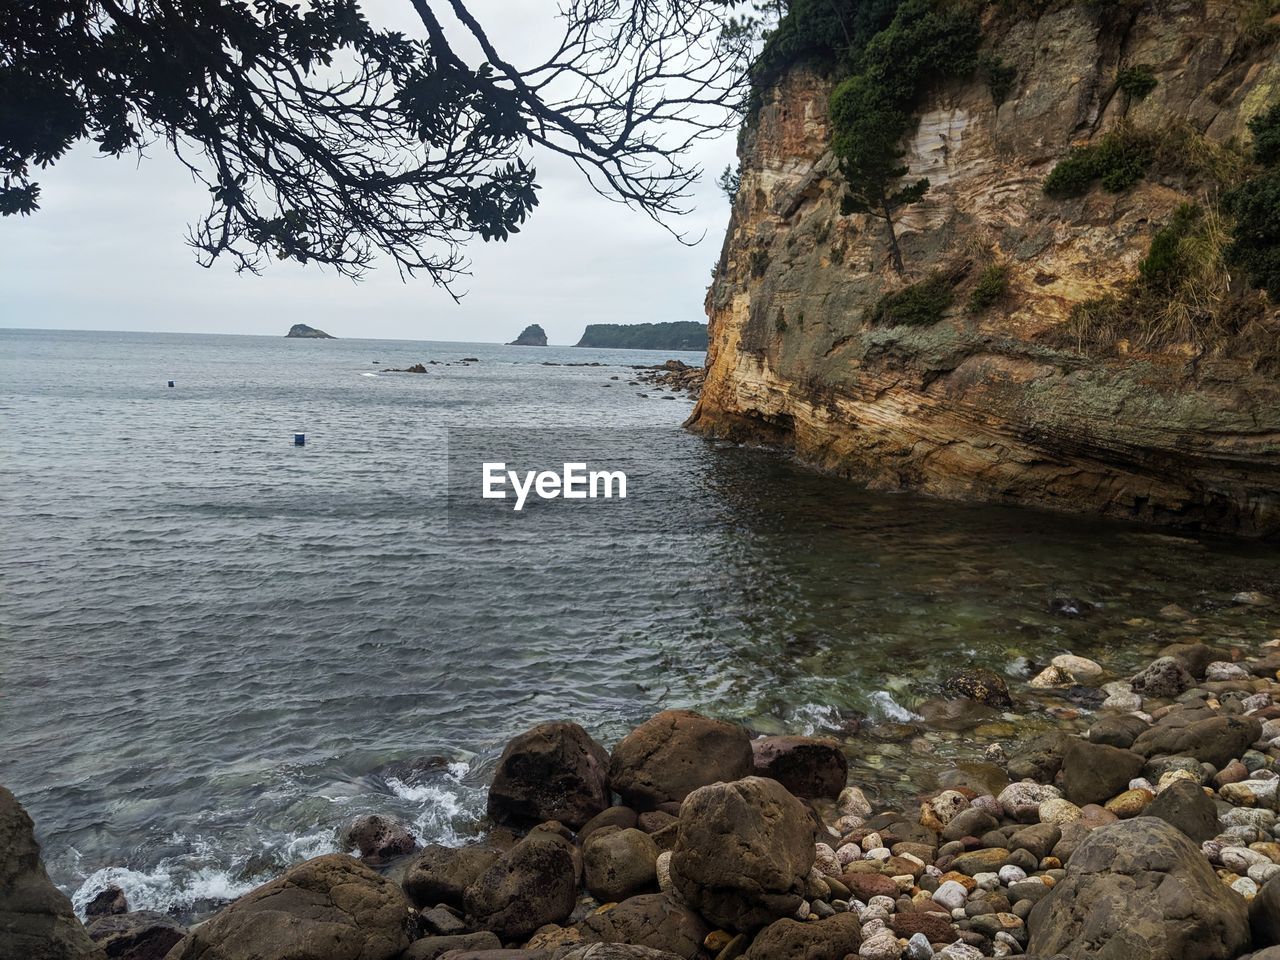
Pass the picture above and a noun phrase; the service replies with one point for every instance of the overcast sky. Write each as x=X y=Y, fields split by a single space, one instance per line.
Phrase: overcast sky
x=106 y=250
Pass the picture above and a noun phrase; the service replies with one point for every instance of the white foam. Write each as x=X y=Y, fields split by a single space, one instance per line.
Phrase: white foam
x=814 y=718
x=440 y=810
x=890 y=709
x=167 y=886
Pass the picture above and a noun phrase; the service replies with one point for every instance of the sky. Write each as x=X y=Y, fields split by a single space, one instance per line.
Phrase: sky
x=106 y=251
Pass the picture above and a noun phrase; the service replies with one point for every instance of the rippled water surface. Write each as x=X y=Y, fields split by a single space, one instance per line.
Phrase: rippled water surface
x=216 y=647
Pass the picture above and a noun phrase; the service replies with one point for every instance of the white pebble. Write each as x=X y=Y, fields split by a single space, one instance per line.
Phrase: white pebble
x=950 y=894
x=878 y=853
x=848 y=853
x=1011 y=874
x=882 y=902
x=1260 y=873
x=852 y=802
x=880 y=946
x=986 y=881
x=1245 y=887
x=919 y=947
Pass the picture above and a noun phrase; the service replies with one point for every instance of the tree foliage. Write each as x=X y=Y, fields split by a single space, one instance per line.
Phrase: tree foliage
x=324 y=139
x=871 y=110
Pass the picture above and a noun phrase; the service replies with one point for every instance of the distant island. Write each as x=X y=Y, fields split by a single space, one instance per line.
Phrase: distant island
x=532 y=336
x=680 y=335
x=303 y=332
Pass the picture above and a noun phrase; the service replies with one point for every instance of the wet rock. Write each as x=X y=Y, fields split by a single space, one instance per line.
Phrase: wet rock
x=1039 y=759
x=1139 y=889
x=441 y=874
x=141 y=935
x=1093 y=772
x=378 y=838
x=620 y=817
x=36 y=919
x=1117 y=731
x=1082 y=668
x=832 y=938
x=980 y=861
x=1216 y=740
x=1052 y=677
x=806 y=766
x=553 y=772
x=1021 y=801
x=107 y=903
x=674 y=753
x=335 y=905
x=979 y=684
x=530 y=885
x=432 y=948
x=1038 y=840
x=1219 y=671
x=620 y=864
x=615 y=951
x=651 y=920
x=1196 y=656
x=743 y=853
x=1165 y=677
x=973 y=822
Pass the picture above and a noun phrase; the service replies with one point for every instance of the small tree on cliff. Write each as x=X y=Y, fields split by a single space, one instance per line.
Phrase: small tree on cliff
x=868 y=147
x=323 y=138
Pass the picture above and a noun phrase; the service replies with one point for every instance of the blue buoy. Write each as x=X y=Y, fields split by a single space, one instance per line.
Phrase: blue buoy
x=299 y=439
x=171 y=383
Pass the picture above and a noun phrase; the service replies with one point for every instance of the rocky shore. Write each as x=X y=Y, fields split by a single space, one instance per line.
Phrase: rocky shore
x=1151 y=835
x=674 y=375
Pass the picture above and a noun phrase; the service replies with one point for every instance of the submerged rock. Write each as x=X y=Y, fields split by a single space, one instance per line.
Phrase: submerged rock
x=1141 y=890
x=553 y=772
x=378 y=838
x=107 y=902
x=674 y=753
x=980 y=684
x=36 y=919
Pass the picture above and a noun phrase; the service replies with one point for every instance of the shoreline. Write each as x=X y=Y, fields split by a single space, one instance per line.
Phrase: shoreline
x=692 y=838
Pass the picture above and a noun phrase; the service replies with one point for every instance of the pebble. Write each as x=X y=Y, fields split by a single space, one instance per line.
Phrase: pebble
x=1260 y=873
x=1245 y=887
x=1011 y=874
x=1052 y=677
x=918 y=947
x=950 y=894
x=853 y=802
x=1120 y=697
x=1058 y=811
x=1225 y=670
x=1240 y=859
x=882 y=945
x=1080 y=667
x=959 y=951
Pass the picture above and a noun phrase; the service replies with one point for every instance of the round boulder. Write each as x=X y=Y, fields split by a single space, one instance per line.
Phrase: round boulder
x=1141 y=890
x=807 y=766
x=833 y=938
x=530 y=885
x=553 y=772
x=981 y=685
x=620 y=864
x=674 y=753
x=335 y=905
x=650 y=920
x=441 y=874
x=743 y=851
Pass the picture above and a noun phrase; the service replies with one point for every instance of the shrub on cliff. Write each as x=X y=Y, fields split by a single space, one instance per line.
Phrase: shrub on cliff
x=920 y=305
x=1255 y=204
x=1136 y=82
x=1119 y=160
x=992 y=287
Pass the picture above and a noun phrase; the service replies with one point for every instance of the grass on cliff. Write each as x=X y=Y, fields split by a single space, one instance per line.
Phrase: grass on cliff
x=1184 y=294
x=921 y=304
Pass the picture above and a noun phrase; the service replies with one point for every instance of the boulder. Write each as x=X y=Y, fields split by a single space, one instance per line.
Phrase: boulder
x=1139 y=890
x=674 y=753
x=981 y=685
x=1117 y=731
x=620 y=817
x=530 y=885
x=1039 y=759
x=807 y=766
x=141 y=935
x=432 y=948
x=36 y=919
x=833 y=938
x=1095 y=772
x=650 y=920
x=1215 y=740
x=1165 y=677
x=336 y=906
x=441 y=874
x=378 y=838
x=743 y=852
x=1264 y=915
x=615 y=951
x=1196 y=656
x=620 y=864
x=553 y=772
x=1185 y=805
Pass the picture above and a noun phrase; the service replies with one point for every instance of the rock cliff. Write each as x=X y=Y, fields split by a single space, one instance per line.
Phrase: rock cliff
x=1000 y=404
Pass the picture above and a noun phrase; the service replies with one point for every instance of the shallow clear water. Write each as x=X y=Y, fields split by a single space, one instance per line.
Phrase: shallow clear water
x=216 y=647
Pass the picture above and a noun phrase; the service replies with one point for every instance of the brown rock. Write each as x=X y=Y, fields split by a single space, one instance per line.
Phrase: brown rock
x=936 y=926
x=651 y=920
x=378 y=838
x=553 y=772
x=831 y=939
x=440 y=874
x=674 y=753
x=807 y=766
x=530 y=885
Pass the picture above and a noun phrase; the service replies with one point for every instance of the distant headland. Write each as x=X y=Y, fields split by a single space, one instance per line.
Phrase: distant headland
x=303 y=332
x=679 y=335
x=532 y=336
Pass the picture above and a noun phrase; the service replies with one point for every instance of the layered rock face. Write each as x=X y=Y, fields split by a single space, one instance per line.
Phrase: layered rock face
x=983 y=407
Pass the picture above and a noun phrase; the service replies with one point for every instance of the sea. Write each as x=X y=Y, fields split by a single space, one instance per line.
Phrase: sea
x=217 y=647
